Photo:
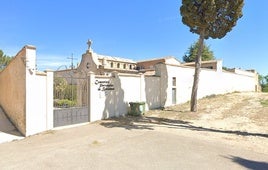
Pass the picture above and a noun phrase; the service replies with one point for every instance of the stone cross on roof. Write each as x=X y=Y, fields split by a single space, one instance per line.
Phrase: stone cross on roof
x=89 y=42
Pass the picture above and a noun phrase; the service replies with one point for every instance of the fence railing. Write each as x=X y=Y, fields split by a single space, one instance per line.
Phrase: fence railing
x=70 y=92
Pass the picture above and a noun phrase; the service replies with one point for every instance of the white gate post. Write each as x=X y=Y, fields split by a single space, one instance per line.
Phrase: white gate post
x=49 y=99
x=91 y=81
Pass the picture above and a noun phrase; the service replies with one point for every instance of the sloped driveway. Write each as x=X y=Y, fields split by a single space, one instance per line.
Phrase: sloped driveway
x=7 y=130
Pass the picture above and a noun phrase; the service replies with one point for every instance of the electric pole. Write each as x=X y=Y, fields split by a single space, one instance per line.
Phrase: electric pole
x=72 y=61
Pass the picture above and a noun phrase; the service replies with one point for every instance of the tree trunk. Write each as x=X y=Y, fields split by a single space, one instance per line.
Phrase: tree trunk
x=197 y=72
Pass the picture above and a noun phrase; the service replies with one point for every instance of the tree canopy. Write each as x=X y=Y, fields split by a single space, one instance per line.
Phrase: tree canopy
x=4 y=60
x=191 y=54
x=264 y=83
x=212 y=18
x=208 y=18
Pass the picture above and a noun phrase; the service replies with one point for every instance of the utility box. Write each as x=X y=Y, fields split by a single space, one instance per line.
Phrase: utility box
x=137 y=108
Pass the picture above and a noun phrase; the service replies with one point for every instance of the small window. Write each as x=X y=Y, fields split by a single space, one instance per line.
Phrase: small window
x=173 y=81
x=118 y=65
x=130 y=67
x=112 y=64
x=124 y=66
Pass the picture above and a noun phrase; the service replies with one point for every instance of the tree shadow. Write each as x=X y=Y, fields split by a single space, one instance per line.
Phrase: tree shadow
x=128 y=123
x=114 y=99
x=139 y=122
x=175 y=110
x=149 y=123
x=249 y=164
x=235 y=132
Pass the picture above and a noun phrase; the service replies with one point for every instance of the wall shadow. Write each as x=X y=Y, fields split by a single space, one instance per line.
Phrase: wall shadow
x=161 y=70
x=114 y=99
x=6 y=126
x=156 y=87
x=146 y=122
x=152 y=91
x=249 y=164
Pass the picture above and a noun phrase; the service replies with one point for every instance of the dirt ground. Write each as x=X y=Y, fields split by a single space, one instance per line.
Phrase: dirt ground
x=240 y=118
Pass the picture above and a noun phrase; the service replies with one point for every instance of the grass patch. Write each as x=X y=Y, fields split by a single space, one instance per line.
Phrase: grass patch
x=264 y=103
x=64 y=103
x=210 y=96
x=95 y=142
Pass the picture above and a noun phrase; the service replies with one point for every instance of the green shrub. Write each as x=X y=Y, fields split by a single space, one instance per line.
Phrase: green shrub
x=210 y=96
x=63 y=90
x=64 y=103
x=264 y=103
x=265 y=88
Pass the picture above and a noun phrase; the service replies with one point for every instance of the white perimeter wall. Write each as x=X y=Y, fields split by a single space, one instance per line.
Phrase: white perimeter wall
x=13 y=89
x=127 y=88
x=156 y=90
x=25 y=96
x=211 y=82
x=39 y=103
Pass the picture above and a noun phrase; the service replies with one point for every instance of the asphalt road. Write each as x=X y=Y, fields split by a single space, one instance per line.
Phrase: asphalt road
x=108 y=145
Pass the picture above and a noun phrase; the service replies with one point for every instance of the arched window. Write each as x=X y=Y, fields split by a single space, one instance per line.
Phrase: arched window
x=118 y=65
x=124 y=66
x=130 y=67
x=112 y=64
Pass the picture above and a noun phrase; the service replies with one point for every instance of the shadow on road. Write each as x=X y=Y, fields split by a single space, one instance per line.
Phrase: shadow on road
x=148 y=123
x=249 y=164
x=142 y=123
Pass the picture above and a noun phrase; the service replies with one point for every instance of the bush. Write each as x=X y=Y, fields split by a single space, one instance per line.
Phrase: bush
x=264 y=103
x=63 y=90
x=265 y=88
x=210 y=96
x=64 y=103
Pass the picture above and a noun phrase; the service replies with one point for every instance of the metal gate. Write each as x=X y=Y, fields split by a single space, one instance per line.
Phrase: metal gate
x=70 y=100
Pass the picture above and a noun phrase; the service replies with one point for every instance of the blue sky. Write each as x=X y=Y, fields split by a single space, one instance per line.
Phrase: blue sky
x=137 y=29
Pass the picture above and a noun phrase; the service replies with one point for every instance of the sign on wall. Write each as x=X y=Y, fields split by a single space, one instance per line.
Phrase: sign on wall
x=104 y=85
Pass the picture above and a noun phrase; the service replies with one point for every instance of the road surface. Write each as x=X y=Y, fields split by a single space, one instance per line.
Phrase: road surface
x=115 y=144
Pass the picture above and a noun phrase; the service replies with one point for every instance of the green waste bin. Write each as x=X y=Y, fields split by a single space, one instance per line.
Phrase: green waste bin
x=137 y=108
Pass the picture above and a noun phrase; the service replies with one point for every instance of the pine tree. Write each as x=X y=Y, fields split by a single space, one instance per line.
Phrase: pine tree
x=4 y=60
x=208 y=18
x=191 y=54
